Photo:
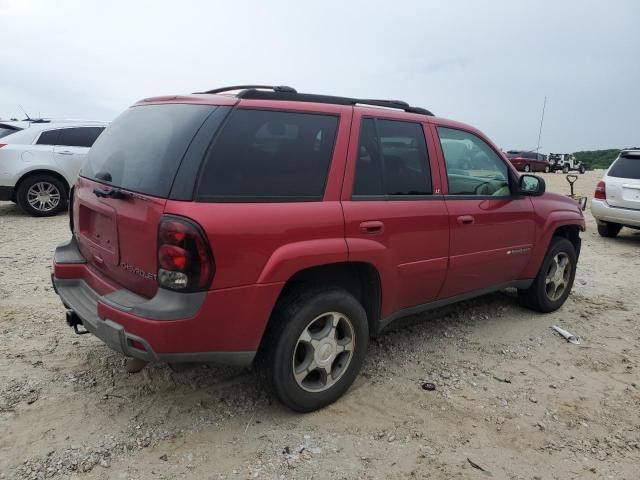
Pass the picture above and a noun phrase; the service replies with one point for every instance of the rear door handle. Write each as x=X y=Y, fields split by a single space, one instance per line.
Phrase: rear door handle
x=65 y=152
x=372 y=226
x=466 y=220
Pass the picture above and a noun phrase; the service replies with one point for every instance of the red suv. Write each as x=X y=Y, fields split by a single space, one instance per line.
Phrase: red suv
x=288 y=228
x=529 y=161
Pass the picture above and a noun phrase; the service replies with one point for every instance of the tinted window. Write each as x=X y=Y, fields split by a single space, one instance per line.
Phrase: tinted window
x=49 y=137
x=626 y=167
x=473 y=168
x=142 y=149
x=7 y=131
x=262 y=155
x=79 y=137
x=392 y=159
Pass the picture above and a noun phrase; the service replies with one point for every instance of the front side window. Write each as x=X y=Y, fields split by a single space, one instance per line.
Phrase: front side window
x=473 y=168
x=79 y=137
x=264 y=155
x=392 y=159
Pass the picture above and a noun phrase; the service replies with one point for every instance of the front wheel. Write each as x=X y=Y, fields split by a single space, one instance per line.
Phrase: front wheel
x=565 y=169
x=314 y=348
x=553 y=283
x=41 y=195
x=546 y=169
x=527 y=168
x=582 y=169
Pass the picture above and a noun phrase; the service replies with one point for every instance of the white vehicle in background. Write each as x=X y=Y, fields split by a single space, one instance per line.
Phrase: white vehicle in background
x=565 y=162
x=40 y=160
x=616 y=202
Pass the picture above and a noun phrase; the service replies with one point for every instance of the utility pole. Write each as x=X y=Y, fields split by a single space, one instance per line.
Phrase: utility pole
x=541 y=120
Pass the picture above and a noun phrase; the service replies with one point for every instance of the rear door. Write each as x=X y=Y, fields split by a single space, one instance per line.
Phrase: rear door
x=395 y=216
x=137 y=158
x=623 y=181
x=492 y=230
x=72 y=146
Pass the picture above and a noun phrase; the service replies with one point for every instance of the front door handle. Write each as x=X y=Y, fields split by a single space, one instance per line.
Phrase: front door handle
x=373 y=226
x=466 y=220
x=65 y=152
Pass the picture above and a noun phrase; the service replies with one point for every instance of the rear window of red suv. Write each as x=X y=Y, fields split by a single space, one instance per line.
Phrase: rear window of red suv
x=269 y=156
x=142 y=149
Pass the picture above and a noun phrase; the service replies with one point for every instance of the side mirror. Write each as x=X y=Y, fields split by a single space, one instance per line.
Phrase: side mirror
x=531 y=185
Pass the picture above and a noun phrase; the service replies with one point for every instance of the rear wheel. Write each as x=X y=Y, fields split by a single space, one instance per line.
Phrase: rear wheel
x=609 y=230
x=315 y=348
x=553 y=283
x=546 y=169
x=41 y=195
x=527 y=168
x=565 y=168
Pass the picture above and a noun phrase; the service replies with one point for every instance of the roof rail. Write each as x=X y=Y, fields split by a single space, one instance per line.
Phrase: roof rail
x=252 y=93
x=277 y=88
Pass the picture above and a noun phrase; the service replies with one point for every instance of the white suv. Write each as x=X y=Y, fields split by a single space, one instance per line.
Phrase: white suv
x=616 y=202
x=39 y=160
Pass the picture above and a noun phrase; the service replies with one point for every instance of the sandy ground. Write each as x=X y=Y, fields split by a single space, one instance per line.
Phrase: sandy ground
x=511 y=396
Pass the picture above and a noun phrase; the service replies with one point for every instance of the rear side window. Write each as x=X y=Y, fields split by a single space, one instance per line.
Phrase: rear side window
x=392 y=159
x=50 y=137
x=142 y=149
x=79 y=137
x=626 y=167
x=264 y=155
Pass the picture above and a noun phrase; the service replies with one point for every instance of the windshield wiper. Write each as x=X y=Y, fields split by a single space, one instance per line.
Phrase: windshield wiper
x=113 y=193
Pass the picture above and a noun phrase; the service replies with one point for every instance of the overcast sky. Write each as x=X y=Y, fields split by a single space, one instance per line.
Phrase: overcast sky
x=486 y=63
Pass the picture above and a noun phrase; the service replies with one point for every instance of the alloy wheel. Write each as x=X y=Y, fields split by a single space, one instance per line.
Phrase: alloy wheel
x=43 y=196
x=323 y=352
x=558 y=275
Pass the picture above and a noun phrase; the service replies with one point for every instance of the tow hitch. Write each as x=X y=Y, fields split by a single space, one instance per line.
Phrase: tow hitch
x=73 y=320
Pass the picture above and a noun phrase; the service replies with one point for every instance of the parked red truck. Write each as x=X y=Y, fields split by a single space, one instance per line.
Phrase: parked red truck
x=287 y=228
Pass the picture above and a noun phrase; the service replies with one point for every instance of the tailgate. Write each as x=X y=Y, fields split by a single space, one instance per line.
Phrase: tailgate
x=118 y=237
x=623 y=182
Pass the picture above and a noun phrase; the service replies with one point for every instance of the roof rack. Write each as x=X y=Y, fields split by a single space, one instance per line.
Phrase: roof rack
x=258 y=92
x=277 y=88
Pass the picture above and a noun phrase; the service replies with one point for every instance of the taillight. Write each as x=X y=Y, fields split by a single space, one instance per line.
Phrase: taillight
x=2 y=145
x=185 y=262
x=601 y=190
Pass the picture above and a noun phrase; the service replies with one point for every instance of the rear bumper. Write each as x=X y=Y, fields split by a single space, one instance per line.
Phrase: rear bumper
x=603 y=212
x=219 y=326
x=6 y=193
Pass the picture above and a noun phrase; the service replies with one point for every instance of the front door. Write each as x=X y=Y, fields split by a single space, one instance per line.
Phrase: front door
x=492 y=230
x=395 y=216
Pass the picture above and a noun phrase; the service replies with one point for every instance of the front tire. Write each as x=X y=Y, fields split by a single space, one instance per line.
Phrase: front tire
x=314 y=348
x=527 y=168
x=609 y=230
x=552 y=285
x=565 y=168
x=582 y=169
x=41 y=195
x=546 y=169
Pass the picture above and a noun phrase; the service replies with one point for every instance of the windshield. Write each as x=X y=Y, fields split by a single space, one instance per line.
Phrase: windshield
x=142 y=149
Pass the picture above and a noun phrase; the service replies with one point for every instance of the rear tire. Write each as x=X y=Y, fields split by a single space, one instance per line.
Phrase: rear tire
x=565 y=168
x=609 y=230
x=527 y=168
x=552 y=285
x=314 y=347
x=546 y=169
x=42 y=195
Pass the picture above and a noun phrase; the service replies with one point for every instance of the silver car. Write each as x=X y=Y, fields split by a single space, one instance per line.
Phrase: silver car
x=40 y=159
x=616 y=203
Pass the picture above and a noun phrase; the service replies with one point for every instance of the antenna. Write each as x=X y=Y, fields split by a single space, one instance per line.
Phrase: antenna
x=23 y=111
x=541 y=120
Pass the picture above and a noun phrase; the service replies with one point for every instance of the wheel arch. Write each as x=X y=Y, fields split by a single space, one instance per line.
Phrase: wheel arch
x=360 y=279
x=40 y=171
